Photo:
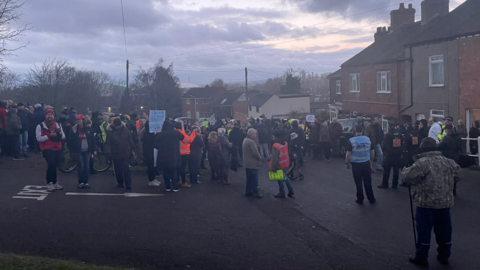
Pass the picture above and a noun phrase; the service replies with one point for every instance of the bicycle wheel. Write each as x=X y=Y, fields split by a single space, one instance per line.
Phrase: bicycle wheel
x=66 y=164
x=101 y=163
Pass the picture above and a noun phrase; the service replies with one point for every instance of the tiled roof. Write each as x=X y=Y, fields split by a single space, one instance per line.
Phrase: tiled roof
x=227 y=99
x=260 y=99
x=460 y=22
x=205 y=92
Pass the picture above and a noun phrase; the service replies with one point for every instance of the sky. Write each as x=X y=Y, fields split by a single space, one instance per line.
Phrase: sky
x=204 y=39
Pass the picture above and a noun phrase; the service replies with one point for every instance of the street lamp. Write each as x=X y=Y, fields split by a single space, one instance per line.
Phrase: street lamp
x=195 y=100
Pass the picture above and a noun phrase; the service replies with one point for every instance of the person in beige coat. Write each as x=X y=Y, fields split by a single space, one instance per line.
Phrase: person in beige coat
x=252 y=161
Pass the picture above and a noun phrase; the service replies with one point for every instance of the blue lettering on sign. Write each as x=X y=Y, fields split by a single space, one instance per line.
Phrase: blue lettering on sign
x=157 y=118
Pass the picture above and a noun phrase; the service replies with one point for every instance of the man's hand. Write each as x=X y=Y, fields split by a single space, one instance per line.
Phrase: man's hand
x=347 y=166
x=53 y=134
x=95 y=153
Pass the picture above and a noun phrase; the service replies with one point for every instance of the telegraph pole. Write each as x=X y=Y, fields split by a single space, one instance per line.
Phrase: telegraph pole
x=127 y=73
x=246 y=90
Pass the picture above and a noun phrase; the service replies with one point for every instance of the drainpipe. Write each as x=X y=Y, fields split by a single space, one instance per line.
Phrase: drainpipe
x=410 y=60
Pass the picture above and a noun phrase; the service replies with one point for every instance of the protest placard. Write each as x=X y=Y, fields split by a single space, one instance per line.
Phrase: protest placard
x=156 y=120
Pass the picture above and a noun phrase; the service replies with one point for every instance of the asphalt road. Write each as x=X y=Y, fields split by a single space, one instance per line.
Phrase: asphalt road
x=212 y=226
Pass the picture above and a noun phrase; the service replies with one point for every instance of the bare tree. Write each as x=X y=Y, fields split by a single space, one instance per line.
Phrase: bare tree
x=217 y=83
x=9 y=14
x=161 y=87
x=57 y=83
x=8 y=80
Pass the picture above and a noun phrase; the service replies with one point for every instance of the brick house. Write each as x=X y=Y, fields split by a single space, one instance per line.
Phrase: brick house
x=197 y=102
x=469 y=78
x=414 y=70
x=232 y=105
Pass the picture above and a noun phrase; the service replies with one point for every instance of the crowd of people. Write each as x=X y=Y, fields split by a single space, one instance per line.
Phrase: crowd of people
x=430 y=153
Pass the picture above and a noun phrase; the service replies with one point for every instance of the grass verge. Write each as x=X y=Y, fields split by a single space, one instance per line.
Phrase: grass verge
x=15 y=262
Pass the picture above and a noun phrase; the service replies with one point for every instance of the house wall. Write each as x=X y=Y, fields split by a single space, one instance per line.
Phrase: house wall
x=469 y=75
x=368 y=100
x=425 y=97
x=240 y=110
x=201 y=108
x=281 y=106
x=334 y=97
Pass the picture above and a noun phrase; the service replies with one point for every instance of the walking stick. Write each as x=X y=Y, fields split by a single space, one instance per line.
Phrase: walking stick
x=413 y=218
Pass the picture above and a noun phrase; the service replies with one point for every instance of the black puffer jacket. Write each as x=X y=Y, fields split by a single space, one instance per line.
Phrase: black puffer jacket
x=168 y=144
x=75 y=142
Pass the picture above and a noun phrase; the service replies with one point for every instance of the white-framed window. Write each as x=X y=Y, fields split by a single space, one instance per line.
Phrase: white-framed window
x=205 y=101
x=196 y=101
x=437 y=73
x=355 y=82
x=384 y=124
x=250 y=107
x=258 y=109
x=437 y=114
x=197 y=115
x=189 y=114
x=339 y=87
x=188 y=101
x=384 y=82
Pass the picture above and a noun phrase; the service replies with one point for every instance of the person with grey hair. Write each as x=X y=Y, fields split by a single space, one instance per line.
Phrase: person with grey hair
x=252 y=161
x=223 y=156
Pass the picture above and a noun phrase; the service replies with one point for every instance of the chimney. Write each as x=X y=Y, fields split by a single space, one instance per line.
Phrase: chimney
x=381 y=32
x=432 y=8
x=402 y=16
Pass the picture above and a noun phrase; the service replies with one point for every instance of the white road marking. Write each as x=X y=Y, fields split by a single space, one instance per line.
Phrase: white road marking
x=128 y=195
x=38 y=193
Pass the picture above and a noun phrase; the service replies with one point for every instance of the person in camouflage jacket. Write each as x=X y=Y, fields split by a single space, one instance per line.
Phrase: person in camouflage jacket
x=432 y=178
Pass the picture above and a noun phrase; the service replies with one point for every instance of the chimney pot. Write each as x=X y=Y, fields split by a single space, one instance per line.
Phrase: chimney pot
x=402 y=16
x=431 y=8
x=410 y=6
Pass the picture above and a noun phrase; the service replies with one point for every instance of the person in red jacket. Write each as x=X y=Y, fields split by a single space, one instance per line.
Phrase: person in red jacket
x=280 y=160
x=50 y=136
x=184 y=152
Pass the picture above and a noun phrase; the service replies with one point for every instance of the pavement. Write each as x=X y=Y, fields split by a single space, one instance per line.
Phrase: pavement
x=211 y=226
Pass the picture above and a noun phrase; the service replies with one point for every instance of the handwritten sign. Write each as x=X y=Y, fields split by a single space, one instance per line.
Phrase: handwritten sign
x=310 y=118
x=157 y=118
x=212 y=120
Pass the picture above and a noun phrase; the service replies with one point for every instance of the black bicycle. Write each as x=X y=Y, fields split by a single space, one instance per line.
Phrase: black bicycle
x=101 y=163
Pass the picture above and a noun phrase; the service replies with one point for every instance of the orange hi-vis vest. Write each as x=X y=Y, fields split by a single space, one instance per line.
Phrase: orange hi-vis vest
x=185 y=144
x=283 y=159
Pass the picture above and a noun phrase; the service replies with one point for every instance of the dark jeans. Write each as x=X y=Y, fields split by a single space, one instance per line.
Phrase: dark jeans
x=388 y=164
x=52 y=157
x=362 y=174
x=181 y=171
x=122 y=171
x=83 y=167
x=307 y=149
x=281 y=187
x=151 y=169
x=194 y=167
x=14 y=145
x=325 y=148
x=170 y=174
x=252 y=181
x=4 y=143
x=335 y=147
x=440 y=221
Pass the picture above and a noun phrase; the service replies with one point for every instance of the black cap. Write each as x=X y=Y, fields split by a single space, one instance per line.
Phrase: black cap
x=20 y=104
x=358 y=129
x=117 y=122
x=428 y=144
x=449 y=126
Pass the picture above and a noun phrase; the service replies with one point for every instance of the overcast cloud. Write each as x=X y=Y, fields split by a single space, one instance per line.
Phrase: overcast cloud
x=205 y=39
